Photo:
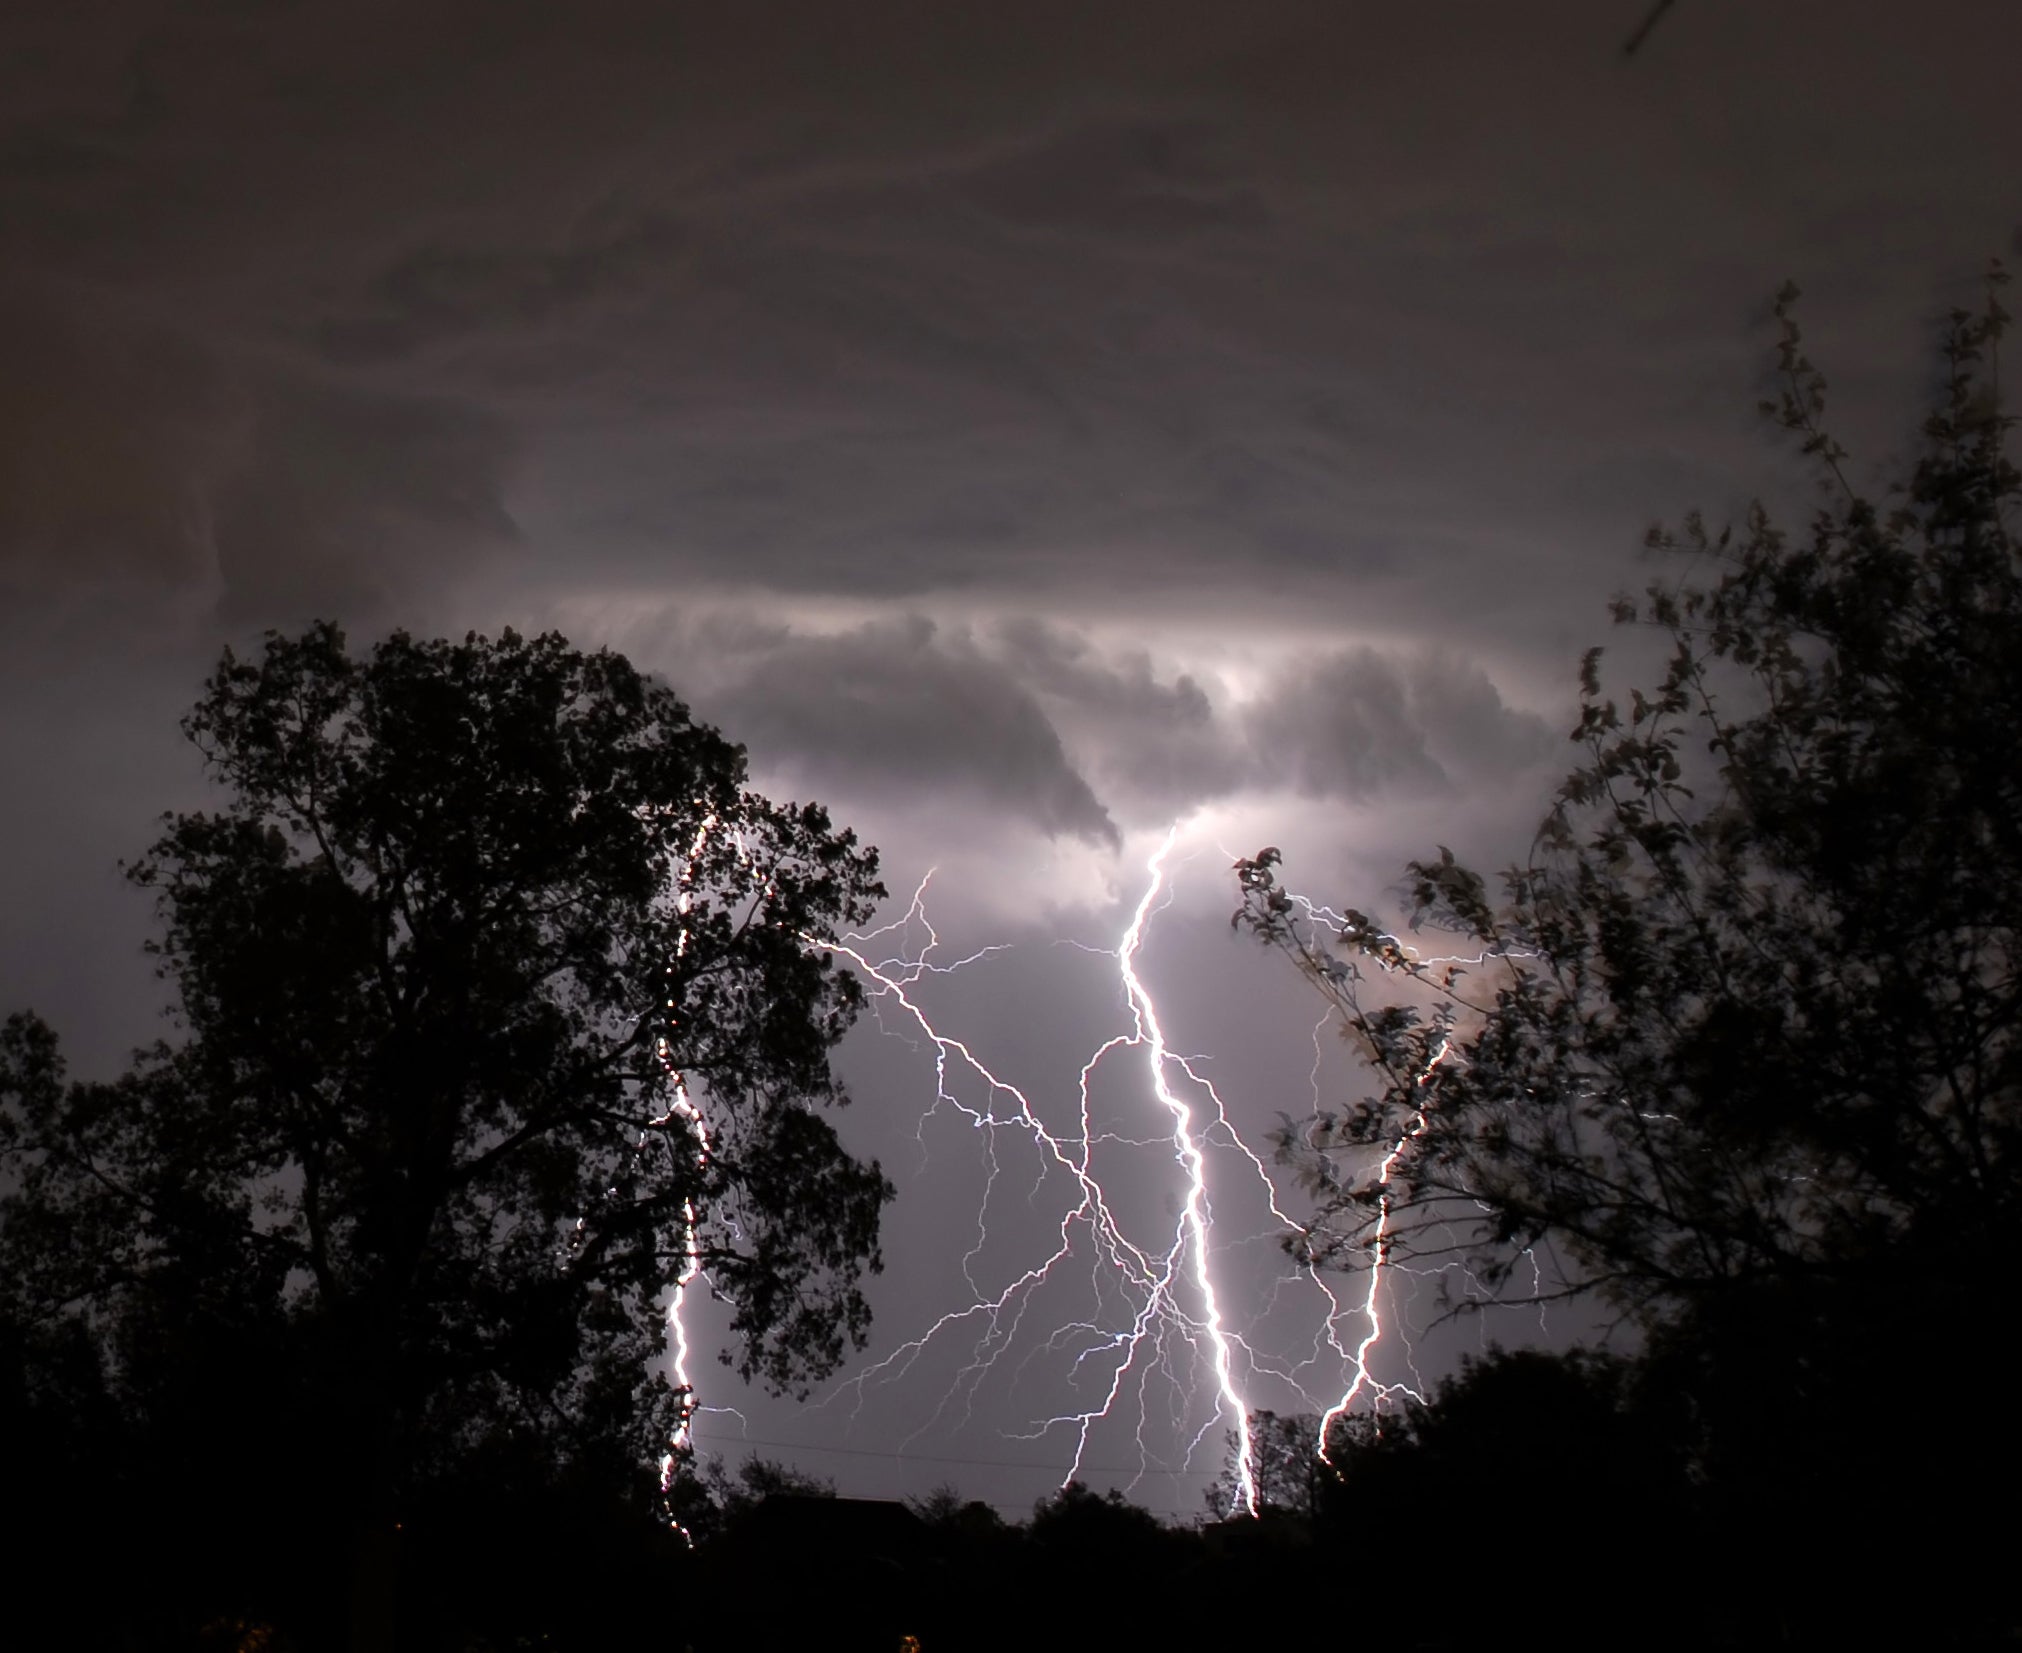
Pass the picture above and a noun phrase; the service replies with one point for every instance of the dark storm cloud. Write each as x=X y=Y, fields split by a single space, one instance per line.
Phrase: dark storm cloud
x=1134 y=186
x=848 y=360
x=345 y=502
x=109 y=438
x=902 y=709
x=1154 y=741
x=1142 y=306
x=1138 y=183
x=437 y=294
x=1042 y=725
x=1360 y=723
x=1108 y=410
x=1343 y=728
x=1311 y=322
x=130 y=453
x=900 y=379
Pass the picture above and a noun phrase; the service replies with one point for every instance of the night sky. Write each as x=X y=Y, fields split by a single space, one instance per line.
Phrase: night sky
x=1023 y=427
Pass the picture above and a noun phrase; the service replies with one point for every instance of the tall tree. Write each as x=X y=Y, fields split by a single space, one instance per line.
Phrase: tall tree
x=1742 y=1039
x=499 y=1015
x=1285 y=1466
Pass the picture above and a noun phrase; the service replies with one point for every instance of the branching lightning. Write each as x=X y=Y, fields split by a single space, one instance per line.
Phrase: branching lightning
x=1160 y=1345
x=1372 y=1311
x=1272 y=911
x=682 y=1108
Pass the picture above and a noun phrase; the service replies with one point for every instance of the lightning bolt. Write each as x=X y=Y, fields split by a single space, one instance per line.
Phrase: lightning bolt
x=1372 y=1310
x=1195 y=1223
x=1272 y=910
x=685 y=1115
x=682 y=1108
x=1161 y=1332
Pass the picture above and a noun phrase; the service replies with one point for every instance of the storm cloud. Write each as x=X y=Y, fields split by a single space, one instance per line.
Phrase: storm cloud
x=1024 y=428
x=898 y=709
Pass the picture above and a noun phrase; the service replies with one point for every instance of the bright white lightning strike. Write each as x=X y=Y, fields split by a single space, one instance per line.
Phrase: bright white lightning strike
x=1391 y=953
x=1194 y=1164
x=1163 y=1328
x=683 y=1109
x=1372 y=1312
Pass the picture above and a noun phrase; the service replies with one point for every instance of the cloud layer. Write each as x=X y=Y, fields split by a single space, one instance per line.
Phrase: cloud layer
x=1023 y=426
x=1158 y=313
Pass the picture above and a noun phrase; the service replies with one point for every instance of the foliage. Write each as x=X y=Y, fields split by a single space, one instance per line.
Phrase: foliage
x=498 y=1013
x=1076 y=1524
x=1285 y=1466
x=1738 y=1044
x=945 y=1509
x=1759 y=1025
x=709 y=1497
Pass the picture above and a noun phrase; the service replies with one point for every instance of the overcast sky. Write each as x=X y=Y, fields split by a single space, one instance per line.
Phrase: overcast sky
x=1025 y=427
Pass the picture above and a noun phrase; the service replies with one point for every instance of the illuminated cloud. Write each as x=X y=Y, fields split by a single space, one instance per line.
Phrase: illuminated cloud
x=899 y=708
x=1021 y=426
x=1359 y=723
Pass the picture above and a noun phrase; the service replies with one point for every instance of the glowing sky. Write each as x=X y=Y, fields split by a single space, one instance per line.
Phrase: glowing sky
x=1022 y=426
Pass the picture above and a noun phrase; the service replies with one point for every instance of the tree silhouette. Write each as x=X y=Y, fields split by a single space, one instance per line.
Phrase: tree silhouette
x=499 y=1016
x=1740 y=1040
x=1285 y=1466
x=1537 y=1458
x=709 y=1496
